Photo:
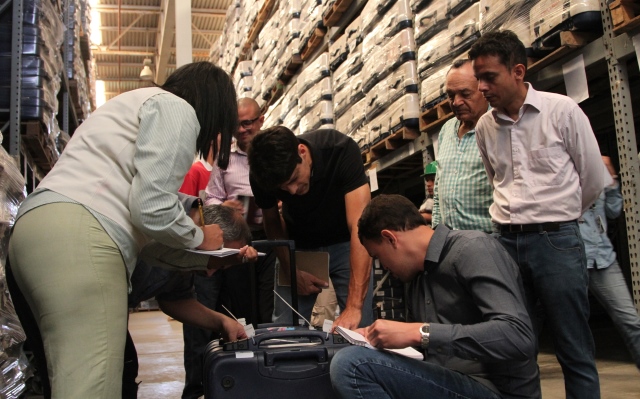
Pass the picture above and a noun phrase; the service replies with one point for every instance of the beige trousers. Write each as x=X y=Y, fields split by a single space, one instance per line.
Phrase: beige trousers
x=75 y=281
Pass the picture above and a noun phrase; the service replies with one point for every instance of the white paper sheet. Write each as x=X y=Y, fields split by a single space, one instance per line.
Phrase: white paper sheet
x=575 y=79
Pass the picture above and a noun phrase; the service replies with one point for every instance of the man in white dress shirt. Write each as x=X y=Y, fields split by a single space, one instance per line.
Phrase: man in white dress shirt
x=544 y=164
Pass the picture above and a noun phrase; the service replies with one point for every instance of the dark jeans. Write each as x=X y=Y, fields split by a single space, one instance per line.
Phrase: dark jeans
x=554 y=272
x=362 y=373
x=196 y=339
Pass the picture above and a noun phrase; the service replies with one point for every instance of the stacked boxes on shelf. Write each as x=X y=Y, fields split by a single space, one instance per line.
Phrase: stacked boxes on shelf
x=42 y=66
x=508 y=15
x=243 y=79
x=389 y=76
x=445 y=46
x=77 y=60
x=549 y=17
x=14 y=365
x=315 y=105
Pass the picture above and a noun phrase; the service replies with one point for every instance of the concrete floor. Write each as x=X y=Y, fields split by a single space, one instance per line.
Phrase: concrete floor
x=159 y=344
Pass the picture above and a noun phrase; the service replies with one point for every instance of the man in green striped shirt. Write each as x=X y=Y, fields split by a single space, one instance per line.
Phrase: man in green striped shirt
x=462 y=193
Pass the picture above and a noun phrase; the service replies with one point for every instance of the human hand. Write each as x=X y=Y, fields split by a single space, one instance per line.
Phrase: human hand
x=232 y=330
x=609 y=165
x=309 y=284
x=235 y=204
x=392 y=334
x=212 y=238
x=349 y=318
x=247 y=254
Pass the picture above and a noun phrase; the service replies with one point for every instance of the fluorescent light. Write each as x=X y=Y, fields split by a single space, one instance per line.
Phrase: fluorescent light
x=101 y=97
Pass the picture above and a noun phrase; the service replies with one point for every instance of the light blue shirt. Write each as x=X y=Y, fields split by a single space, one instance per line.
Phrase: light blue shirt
x=593 y=228
x=462 y=192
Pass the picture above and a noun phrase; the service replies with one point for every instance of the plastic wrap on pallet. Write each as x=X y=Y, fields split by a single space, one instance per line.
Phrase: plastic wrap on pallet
x=291 y=120
x=315 y=71
x=244 y=68
x=550 y=17
x=350 y=67
x=373 y=12
x=456 y=7
x=245 y=87
x=272 y=116
x=310 y=19
x=510 y=15
x=379 y=127
x=405 y=112
x=338 y=52
x=318 y=92
x=319 y=117
x=399 y=17
x=351 y=94
x=342 y=122
x=448 y=44
x=400 y=82
x=431 y=20
x=14 y=367
x=433 y=87
x=400 y=49
x=353 y=32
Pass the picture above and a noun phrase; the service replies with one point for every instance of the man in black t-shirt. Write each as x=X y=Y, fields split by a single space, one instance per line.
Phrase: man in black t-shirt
x=320 y=179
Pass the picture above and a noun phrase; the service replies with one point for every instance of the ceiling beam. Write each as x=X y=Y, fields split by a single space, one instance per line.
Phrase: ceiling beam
x=196 y=12
x=167 y=24
x=139 y=29
x=144 y=50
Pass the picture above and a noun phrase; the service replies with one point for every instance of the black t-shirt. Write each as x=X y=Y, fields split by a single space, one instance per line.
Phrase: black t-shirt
x=319 y=217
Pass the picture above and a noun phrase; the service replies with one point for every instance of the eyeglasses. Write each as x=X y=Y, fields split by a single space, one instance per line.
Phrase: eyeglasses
x=247 y=123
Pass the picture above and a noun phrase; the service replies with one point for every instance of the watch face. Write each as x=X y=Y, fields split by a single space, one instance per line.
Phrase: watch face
x=424 y=328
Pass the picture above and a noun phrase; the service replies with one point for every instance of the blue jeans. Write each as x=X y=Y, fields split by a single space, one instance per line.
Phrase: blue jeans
x=196 y=339
x=554 y=272
x=339 y=272
x=358 y=372
x=610 y=289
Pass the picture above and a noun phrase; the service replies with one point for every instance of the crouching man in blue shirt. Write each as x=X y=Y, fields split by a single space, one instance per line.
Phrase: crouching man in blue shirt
x=467 y=313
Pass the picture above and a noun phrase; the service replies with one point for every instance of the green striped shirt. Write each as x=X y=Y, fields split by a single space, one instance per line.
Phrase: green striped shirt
x=462 y=193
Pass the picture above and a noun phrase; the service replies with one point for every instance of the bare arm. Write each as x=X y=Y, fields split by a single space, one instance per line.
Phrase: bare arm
x=190 y=311
x=355 y=202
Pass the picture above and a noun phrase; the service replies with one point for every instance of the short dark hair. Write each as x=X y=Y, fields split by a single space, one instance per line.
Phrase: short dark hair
x=234 y=227
x=211 y=93
x=388 y=212
x=273 y=155
x=503 y=44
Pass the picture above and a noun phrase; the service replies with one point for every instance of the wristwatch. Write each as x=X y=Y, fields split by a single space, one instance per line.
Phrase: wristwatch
x=424 y=334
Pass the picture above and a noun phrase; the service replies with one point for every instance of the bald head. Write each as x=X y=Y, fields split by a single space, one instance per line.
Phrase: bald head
x=250 y=122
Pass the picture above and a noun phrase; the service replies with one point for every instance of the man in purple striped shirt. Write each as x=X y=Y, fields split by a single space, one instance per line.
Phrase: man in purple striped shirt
x=230 y=287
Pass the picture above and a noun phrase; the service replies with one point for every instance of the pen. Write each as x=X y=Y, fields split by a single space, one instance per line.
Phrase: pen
x=201 y=212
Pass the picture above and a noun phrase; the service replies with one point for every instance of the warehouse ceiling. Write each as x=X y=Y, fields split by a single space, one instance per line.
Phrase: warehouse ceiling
x=133 y=30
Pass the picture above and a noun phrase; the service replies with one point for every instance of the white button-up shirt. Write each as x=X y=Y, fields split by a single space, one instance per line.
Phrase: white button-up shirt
x=545 y=166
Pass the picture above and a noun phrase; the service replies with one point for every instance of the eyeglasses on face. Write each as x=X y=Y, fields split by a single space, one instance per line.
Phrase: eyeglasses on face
x=247 y=123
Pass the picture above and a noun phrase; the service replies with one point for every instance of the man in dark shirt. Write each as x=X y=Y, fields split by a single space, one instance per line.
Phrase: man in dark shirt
x=467 y=306
x=320 y=179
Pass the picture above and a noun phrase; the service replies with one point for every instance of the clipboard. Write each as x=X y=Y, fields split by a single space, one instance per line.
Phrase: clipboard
x=314 y=263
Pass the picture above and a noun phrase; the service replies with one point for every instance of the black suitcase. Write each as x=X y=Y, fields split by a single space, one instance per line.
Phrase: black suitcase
x=277 y=363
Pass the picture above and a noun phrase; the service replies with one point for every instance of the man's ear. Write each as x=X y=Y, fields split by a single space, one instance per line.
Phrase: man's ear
x=519 y=71
x=390 y=237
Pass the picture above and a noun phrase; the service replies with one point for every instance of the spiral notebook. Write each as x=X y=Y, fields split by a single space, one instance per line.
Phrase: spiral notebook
x=355 y=338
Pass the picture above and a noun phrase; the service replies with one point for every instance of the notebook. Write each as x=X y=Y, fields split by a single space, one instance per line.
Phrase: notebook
x=355 y=338
x=314 y=263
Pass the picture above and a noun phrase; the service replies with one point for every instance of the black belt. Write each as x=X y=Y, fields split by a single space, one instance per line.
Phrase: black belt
x=531 y=228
